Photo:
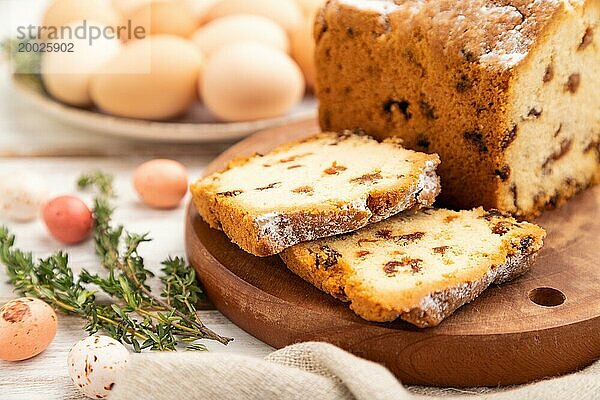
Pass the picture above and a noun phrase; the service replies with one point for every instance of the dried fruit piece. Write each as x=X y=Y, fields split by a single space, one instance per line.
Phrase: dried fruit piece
x=335 y=169
x=573 y=83
x=587 y=39
x=477 y=139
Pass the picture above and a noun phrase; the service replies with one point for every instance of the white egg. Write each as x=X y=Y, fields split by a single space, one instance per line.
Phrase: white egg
x=66 y=75
x=22 y=195
x=94 y=364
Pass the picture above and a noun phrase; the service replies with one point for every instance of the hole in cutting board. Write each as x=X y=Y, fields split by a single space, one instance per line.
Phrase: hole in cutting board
x=547 y=296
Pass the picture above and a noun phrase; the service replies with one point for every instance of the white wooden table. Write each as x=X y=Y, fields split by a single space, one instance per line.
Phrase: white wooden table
x=30 y=141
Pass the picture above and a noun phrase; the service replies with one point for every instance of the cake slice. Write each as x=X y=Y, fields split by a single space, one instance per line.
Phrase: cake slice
x=325 y=185
x=420 y=266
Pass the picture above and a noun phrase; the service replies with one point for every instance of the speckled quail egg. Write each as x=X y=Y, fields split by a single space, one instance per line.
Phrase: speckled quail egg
x=27 y=327
x=94 y=363
x=22 y=195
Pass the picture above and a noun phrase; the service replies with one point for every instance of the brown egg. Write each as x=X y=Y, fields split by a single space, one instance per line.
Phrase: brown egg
x=68 y=219
x=63 y=12
x=285 y=12
x=171 y=17
x=66 y=75
x=201 y=8
x=237 y=28
x=126 y=7
x=303 y=51
x=161 y=183
x=310 y=7
x=154 y=78
x=27 y=326
x=249 y=81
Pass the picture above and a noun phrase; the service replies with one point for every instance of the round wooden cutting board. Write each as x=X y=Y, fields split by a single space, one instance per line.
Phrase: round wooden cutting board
x=543 y=324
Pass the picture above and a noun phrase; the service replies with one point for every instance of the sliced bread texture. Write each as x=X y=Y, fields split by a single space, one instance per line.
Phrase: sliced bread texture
x=419 y=266
x=328 y=184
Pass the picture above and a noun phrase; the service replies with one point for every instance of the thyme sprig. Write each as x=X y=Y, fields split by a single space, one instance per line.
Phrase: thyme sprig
x=134 y=315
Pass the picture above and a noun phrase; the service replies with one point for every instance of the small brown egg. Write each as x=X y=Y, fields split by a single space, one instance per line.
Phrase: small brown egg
x=154 y=78
x=303 y=51
x=174 y=17
x=237 y=28
x=63 y=12
x=285 y=12
x=161 y=183
x=68 y=219
x=27 y=326
x=249 y=81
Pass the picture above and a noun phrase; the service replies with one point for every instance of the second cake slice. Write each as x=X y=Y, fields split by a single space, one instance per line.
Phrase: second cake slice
x=419 y=266
x=328 y=184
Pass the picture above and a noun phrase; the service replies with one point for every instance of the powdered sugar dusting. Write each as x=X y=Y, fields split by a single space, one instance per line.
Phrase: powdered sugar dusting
x=429 y=183
x=283 y=230
x=423 y=193
x=507 y=60
x=434 y=307
x=379 y=6
x=497 y=34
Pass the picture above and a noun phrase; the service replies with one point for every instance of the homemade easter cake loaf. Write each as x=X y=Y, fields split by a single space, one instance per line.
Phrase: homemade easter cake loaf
x=325 y=185
x=505 y=91
x=420 y=266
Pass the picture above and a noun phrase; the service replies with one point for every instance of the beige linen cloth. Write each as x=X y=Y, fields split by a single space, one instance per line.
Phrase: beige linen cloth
x=307 y=371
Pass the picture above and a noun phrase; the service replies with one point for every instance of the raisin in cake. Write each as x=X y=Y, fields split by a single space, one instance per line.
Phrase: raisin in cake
x=328 y=184
x=419 y=266
x=505 y=91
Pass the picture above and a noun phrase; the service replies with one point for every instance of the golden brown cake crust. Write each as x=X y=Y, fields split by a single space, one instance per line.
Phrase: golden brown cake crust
x=442 y=304
x=337 y=267
x=278 y=223
x=462 y=79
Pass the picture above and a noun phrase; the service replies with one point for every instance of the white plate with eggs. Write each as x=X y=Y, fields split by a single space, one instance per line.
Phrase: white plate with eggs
x=214 y=74
x=198 y=125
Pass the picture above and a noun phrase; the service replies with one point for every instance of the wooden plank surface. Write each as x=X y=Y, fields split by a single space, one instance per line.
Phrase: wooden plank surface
x=45 y=377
